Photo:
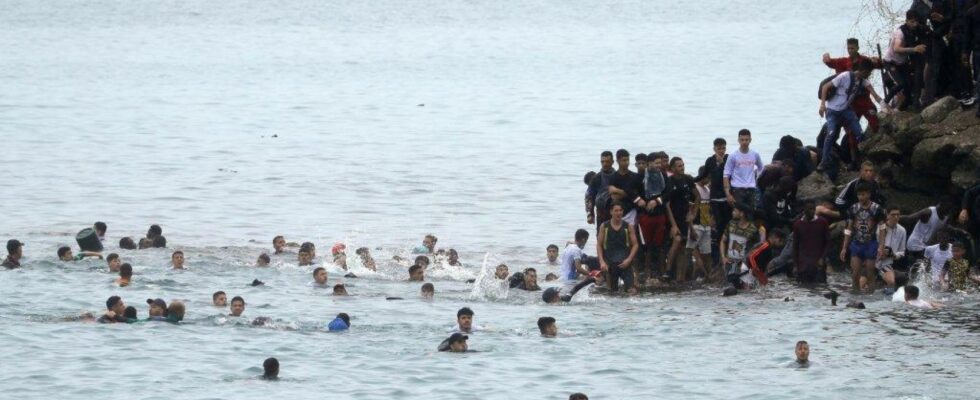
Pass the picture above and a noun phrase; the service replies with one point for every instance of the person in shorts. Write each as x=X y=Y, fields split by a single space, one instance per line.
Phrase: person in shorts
x=701 y=222
x=860 y=238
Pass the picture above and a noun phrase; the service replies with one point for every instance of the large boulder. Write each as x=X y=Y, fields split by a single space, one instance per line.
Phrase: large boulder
x=939 y=110
x=815 y=186
x=908 y=202
x=881 y=148
x=934 y=156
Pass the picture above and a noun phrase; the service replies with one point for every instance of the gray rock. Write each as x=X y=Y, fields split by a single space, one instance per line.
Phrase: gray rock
x=815 y=186
x=939 y=110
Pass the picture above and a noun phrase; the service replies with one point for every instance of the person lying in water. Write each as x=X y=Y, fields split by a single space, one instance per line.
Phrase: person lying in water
x=554 y=296
x=455 y=343
x=64 y=254
x=912 y=299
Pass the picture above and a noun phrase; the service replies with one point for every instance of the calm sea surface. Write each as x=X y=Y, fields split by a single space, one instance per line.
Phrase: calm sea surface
x=374 y=123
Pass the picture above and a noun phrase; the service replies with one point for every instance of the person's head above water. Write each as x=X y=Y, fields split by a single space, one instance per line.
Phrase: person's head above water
x=130 y=313
x=422 y=261
x=464 y=318
x=100 y=228
x=320 y=276
x=126 y=271
x=113 y=262
x=551 y=295
x=456 y=343
x=115 y=304
x=548 y=327
x=802 y=351
x=158 y=307
x=270 y=368
x=219 y=299
x=911 y=292
x=339 y=290
x=64 y=253
x=127 y=243
x=154 y=231
x=304 y=257
x=416 y=273
x=278 y=244
x=175 y=312
x=15 y=249
x=428 y=290
x=581 y=238
x=430 y=242
x=237 y=306
x=552 y=251
x=310 y=248
x=530 y=278
x=177 y=258
x=263 y=260
x=160 y=242
x=501 y=272
x=578 y=396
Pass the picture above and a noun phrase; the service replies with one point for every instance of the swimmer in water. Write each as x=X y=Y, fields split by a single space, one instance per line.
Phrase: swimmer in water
x=454 y=258
x=340 y=323
x=158 y=310
x=15 y=250
x=529 y=281
x=177 y=259
x=802 y=353
x=319 y=278
x=339 y=252
x=422 y=261
x=237 y=306
x=270 y=369
x=912 y=299
x=548 y=327
x=428 y=245
x=219 y=299
x=310 y=248
x=278 y=245
x=64 y=254
x=127 y=243
x=100 y=230
x=339 y=290
x=578 y=396
x=263 y=260
x=131 y=315
x=552 y=254
x=304 y=258
x=501 y=272
x=175 y=313
x=366 y=260
x=115 y=311
x=456 y=343
x=554 y=296
x=416 y=273
x=428 y=291
x=125 y=275
x=113 y=261
x=464 y=322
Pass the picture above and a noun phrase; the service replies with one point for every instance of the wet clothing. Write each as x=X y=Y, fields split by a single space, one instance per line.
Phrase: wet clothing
x=10 y=263
x=681 y=199
x=811 y=239
x=780 y=209
x=958 y=272
x=864 y=222
x=759 y=258
x=616 y=247
x=740 y=239
x=625 y=182
x=923 y=231
x=937 y=260
x=567 y=271
x=894 y=239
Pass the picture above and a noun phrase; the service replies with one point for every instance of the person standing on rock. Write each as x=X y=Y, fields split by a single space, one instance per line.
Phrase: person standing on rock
x=847 y=197
x=741 y=171
x=862 y=105
x=836 y=97
x=897 y=61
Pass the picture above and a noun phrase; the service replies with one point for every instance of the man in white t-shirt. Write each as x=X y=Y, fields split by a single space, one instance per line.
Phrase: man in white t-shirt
x=835 y=104
x=571 y=259
x=937 y=255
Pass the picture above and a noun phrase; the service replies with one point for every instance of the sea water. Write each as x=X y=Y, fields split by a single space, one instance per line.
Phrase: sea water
x=373 y=124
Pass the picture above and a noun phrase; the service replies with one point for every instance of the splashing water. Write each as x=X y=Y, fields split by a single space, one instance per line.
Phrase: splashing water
x=487 y=286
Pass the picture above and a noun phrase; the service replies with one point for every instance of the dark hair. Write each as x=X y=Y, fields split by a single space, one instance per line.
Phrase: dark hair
x=421 y=258
x=622 y=153
x=894 y=208
x=307 y=246
x=338 y=286
x=361 y=251
x=802 y=342
x=551 y=246
x=674 y=160
x=719 y=142
x=912 y=291
x=303 y=251
x=160 y=242
x=413 y=269
x=589 y=176
x=62 y=250
x=265 y=257
x=910 y=15
x=270 y=367
x=127 y=243
x=606 y=153
x=344 y=317
x=660 y=155
x=851 y=41
x=530 y=269
x=110 y=257
x=808 y=202
x=237 y=298
x=787 y=183
x=126 y=270
x=640 y=157
x=318 y=269
x=464 y=311
x=778 y=232
x=614 y=204
x=702 y=174
x=787 y=142
x=176 y=252
x=543 y=322
x=101 y=227
x=112 y=301
x=216 y=294
x=130 y=313
x=578 y=396
x=453 y=251
x=428 y=287
x=277 y=238
x=581 y=234
x=155 y=230
x=862 y=187
x=744 y=132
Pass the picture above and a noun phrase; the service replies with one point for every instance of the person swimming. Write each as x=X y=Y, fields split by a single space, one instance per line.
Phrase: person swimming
x=802 y=353
x=158 y=310
x=263 y=260
x=416 y=273
x=912 y=299
x=113 y=262
x=548 y=327
x=428 y=290
x=175 y=312
x=115 y=311
x=237 y=306
x=501 y=272
x=455 y=343
x=125 y=275
x=339 y=290
x=366 y=260
x=340 y=323
x=270 y=369
x=320 y=278
x=464 y=322
x=553 y=295
x=177 y=259
x=219 y=299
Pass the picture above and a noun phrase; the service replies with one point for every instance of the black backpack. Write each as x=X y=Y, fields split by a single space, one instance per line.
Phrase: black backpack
x=833 y=89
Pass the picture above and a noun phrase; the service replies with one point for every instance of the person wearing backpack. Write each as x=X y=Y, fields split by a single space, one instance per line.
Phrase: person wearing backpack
x=836 y=97
x=862 y=105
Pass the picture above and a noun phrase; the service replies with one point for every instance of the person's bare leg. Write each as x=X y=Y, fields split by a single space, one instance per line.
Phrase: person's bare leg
x=869 y=273
x=855 y=274
x=889 y=278
x=675 y=246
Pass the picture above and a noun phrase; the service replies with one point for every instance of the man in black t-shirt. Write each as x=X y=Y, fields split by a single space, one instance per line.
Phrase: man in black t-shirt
x=680 y=205
x=622 y=186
